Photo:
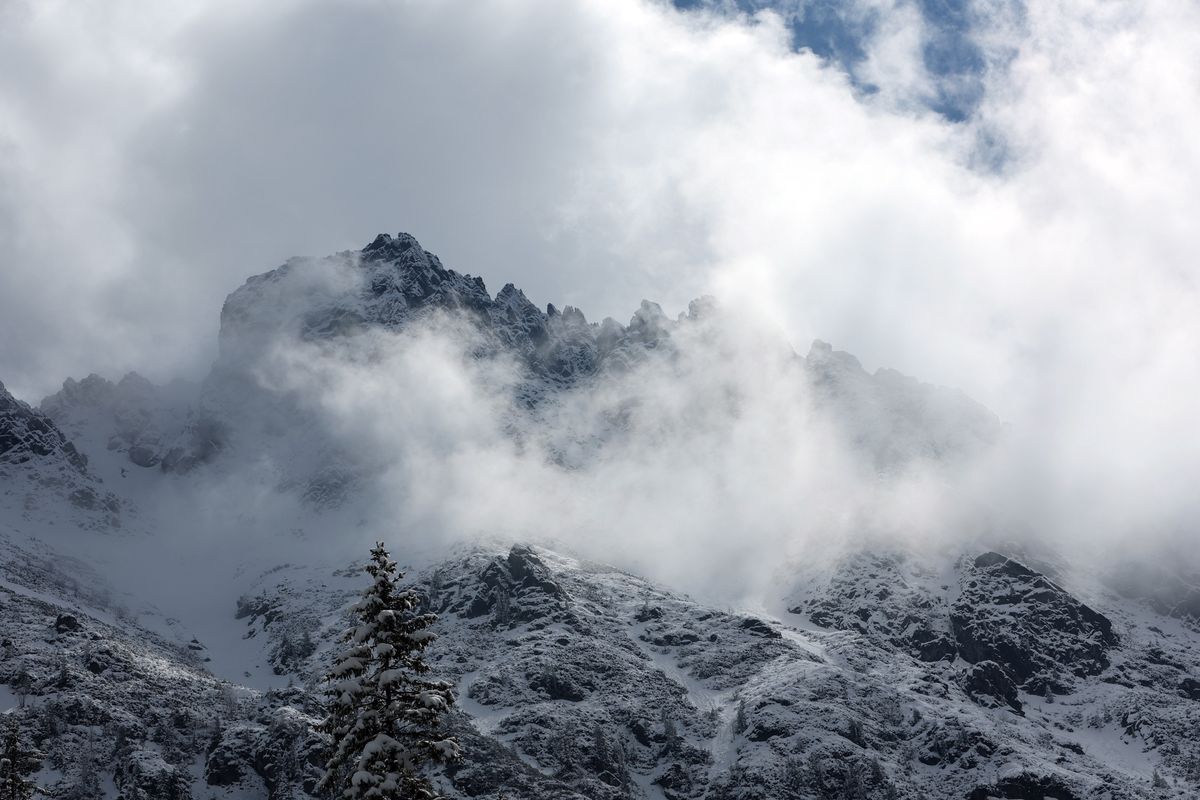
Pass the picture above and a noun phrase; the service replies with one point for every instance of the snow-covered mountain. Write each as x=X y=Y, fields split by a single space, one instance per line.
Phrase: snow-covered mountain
x=176 y=563
x=42 y=471
x=550 y=357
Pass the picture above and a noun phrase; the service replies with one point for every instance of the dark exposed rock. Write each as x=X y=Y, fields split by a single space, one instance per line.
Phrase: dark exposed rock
x=763 y=730
x=37 y=456
x=557 y=686
x=515 y=589
x=675 y=638
x=953 y=744
x=263 y=607
x=26 y=434
x=870 y=593
x=932 y=646
x=1041 y=637
x=648 y=612
x=530 y=574
x=401 y=282
x=1018 y=618
x=1025 y=787
x=593 y=684
x=491 y=765
x=759 y=628
x=227 y=760
x=144 y=774
x=393 y=283
x=989 y=685
x=676 y=782
x=144 y=455
x=583 y=701
x=144 y=421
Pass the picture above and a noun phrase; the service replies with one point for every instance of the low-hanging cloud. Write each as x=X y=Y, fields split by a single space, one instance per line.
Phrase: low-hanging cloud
x=708 y=462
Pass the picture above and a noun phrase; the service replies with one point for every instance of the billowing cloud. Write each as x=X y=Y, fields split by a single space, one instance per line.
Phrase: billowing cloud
x=1041 y=254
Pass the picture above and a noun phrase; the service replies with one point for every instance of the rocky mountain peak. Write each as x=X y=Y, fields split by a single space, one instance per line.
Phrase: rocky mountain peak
x=41 y=466
x=95 y=391
x=26 y=434
x=821 y=355
x=386 y=247
x=393 y=283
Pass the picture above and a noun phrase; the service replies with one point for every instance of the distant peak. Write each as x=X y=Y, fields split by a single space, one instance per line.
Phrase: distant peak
x=649 y=314
x=823 y=353
x=702 y=307
x=573 y=315
x=509 y=291
x=385 y=246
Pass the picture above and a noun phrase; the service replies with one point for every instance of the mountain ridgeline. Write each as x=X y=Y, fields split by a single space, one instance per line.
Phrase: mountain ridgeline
x=394 y=285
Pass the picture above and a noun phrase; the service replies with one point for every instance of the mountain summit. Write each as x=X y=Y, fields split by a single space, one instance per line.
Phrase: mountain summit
x=393 y=284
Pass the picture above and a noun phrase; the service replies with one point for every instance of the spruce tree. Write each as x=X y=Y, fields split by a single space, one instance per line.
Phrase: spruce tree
x=383 y=714
x=17 y=763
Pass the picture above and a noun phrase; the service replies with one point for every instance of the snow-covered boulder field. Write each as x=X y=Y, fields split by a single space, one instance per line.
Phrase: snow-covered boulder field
x=575 y=679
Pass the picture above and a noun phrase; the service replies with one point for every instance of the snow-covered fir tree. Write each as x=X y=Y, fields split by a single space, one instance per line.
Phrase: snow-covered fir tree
x=17 y=763
x=383 y=714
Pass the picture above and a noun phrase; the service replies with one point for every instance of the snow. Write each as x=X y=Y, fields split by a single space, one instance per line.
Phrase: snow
x=649 y=790
x=8 y=700
x=485 y=718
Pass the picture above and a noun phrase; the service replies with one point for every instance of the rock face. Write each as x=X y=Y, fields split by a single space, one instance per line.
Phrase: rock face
x=40 y=466
x=989 y=684
x=884 y=595
x=516 y=589
x=26 y=435
x=1017 y=627
x=391 y=284
x=1040 y=634
x=151 y=426
x=394 y=282
x=144 y=774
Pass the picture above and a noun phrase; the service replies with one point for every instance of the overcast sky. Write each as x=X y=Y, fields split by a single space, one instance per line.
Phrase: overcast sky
x=1040 y=253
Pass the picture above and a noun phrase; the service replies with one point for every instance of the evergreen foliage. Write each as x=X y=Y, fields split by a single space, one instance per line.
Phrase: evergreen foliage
x=17 y=763
x=383 y=714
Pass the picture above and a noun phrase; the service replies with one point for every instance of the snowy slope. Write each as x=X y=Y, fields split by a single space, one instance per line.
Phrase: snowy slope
x=578 y=680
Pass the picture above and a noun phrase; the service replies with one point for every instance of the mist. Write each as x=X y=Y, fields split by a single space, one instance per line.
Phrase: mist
x=719 y=461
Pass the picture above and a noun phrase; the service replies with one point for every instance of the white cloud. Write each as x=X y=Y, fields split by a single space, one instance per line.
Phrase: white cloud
x=153 y=155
